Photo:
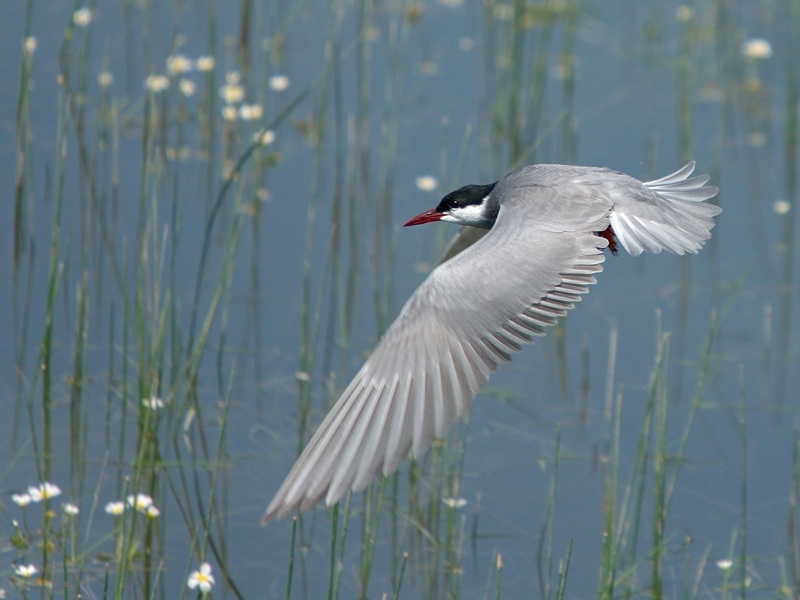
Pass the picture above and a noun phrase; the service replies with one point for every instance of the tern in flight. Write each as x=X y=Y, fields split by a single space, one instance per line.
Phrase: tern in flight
x=547 y=228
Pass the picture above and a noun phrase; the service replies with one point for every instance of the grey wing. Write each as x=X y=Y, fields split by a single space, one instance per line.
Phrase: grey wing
x=465 y=320
x=666 y=214
x=462 y=240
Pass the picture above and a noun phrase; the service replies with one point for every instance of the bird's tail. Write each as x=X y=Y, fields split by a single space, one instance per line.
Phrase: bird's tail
x=670 y=215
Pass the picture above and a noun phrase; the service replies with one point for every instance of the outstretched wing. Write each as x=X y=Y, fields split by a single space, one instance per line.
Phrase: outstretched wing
x=465 y=320
x=476 y=309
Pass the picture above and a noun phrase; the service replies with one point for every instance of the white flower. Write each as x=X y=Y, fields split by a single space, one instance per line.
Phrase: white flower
x=105 y=79
x=71 y=509
x=187 y=87
x=21 y=499
x=454 y=502
x=140 y=502
x=427 y=183
x=82 y=17
x=757 y=49
x=26 y=571
x=251 y=112
x=229 y=113
x=29 y=44
x=115 y=508
x=178 y=64
x=278 y=83
x=152 y=511
x=233 y=93
x=264 y=137
x=205 y=63
x=45 y=491
x=153 y=403
x=724 y=564
x=782 y=207
x=202 y=579
x=156 y=83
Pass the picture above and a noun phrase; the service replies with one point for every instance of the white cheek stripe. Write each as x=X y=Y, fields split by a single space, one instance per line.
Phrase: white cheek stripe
x=465 y=215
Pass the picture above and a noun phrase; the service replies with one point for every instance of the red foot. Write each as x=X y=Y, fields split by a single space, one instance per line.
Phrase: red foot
x=608 y=233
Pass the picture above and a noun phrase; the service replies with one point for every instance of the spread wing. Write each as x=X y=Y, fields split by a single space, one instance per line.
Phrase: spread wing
x=465 y=320
x=478 y=308
x=462 y=240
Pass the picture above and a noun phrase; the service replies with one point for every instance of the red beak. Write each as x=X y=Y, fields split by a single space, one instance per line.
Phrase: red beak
x=429 y=216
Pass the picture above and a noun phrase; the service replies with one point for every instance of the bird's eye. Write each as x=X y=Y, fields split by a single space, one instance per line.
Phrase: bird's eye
x=450 y=202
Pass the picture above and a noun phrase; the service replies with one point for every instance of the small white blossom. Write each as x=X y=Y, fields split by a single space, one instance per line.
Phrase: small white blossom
x=201 y=579
x=44 y=491
x=782 y=207
x=105 y=79
x=265 y=137
x=251 y=112
x=152 y=511
x=29 y=44
x=757 y=49
x=205 y=63
x=232 y=93
x=71 y=509
x=427 y=183
x=187 y=87
x=454 y=502
x=278 y=83
x=26 y=571
x=153 y=403
x=82 y=17
x=21 y=499
x=724 y=564
x=140 y=502
x=177 y=64
x=156 y=83
x=229 y=113
x=115 y=508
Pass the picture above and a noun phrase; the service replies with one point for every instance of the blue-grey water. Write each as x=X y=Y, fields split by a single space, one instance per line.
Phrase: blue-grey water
x=653 y=85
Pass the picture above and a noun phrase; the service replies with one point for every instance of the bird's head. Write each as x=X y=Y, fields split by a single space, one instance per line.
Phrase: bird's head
x=471 y=205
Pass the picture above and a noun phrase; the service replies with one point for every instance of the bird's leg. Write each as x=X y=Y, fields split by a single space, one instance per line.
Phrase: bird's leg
x=608 y=233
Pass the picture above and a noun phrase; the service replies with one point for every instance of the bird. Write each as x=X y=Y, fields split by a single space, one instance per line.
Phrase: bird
x=546 y=227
